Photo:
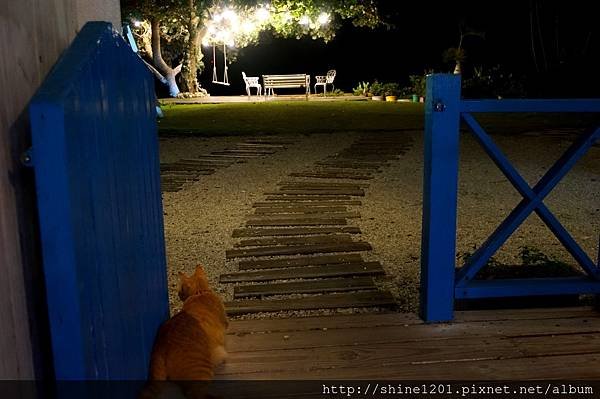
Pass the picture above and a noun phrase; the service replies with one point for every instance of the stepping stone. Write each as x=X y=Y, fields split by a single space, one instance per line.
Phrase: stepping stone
x=298 y=222
x=306 y=287
x=307 y=204
x=318 y=239
x=263 y=232
x=326 y=301
x=321 y=271
x=297 y=262
x=299 y=249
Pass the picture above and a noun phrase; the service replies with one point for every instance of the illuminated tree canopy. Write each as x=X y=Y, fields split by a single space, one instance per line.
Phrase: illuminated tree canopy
x=182 y=26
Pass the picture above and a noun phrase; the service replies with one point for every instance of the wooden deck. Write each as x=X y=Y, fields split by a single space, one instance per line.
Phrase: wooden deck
x=480 y=345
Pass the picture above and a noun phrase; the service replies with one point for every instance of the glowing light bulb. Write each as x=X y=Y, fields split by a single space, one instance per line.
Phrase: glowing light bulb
x=218 y=18
x=248 y=27
x=323 y=18
x=137 y=23
x=230 y=15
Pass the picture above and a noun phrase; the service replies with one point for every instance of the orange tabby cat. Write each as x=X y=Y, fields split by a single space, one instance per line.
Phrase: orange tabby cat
x=191 y=344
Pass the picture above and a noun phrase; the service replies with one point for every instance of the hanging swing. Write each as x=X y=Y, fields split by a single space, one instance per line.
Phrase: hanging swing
x=215 y=79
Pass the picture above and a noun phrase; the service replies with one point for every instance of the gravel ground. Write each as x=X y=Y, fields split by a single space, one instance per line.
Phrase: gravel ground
x=199 y=219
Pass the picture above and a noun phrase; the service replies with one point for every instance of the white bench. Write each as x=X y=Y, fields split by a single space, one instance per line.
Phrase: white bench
x=271 y=82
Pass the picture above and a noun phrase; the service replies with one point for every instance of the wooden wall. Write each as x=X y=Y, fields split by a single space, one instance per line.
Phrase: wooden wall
x=33 y=33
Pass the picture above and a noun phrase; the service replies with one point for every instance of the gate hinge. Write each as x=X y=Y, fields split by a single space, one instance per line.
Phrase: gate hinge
x=27 y=158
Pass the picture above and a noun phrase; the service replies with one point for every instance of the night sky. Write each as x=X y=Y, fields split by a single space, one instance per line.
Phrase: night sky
x=567 y=65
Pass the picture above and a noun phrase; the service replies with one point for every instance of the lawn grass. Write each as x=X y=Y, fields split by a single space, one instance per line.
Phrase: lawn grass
x=289 y=117
x=302 y=117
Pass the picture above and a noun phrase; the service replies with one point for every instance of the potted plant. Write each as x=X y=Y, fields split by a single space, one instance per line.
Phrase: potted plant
x=377 y=91
x=391 y=91
x=418 y=84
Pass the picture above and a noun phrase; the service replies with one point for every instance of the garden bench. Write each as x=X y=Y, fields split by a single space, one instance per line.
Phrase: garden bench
x=271 y=82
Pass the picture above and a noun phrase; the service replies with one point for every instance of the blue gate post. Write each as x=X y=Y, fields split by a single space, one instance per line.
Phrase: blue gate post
x=440 y=189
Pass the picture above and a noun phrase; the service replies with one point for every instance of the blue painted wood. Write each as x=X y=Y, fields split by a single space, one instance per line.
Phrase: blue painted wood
x=95 y=153
x=528 y=193
x=438 y=246
x=575 y=105
x=527 y=287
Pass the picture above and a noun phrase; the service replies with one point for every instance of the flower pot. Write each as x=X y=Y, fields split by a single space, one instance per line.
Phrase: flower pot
x=377 y=98
x=391 y=99
x=421 y=99
x=415 y=98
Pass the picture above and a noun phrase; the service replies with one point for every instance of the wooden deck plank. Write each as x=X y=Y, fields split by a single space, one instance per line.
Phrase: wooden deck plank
x=326 y=301
x=305 y=204
x=565 y=367
x=291 y=231
x=298 y=222
x=317 y=239
x=299 y=249
x=306 y=183
x=306 y=287
x=320 y=271
x=297 y=262
x=401 y=319
x=522 y=334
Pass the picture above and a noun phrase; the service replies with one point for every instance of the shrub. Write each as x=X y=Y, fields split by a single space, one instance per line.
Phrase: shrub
x=493 y=83
x=391 y=89
x=418 y=84
x=376 y=89
x=362 y=89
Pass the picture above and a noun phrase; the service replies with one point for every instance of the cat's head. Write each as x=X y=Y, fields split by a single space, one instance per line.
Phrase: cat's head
x=194 y=284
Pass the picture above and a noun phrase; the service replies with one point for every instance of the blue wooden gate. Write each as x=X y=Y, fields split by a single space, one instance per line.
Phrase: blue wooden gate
x=440 y=283
x=95 y=154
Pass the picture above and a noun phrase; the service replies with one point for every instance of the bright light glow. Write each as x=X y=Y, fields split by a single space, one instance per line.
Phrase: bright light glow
x=323 y=18
x=304 y=20
x=262 y=14
x=217 y=18
x=137 y=23
x=286 y=17
x=230 y=15
x=248 y=27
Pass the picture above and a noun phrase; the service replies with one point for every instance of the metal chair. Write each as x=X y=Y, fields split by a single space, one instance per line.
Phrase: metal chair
x=252 y=81
x=325 y=80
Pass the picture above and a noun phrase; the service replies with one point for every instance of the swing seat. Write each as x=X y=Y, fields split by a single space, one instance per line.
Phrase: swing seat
x=325 y=80
x=252 y=81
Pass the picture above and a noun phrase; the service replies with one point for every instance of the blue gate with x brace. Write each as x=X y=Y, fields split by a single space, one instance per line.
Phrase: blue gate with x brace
x=441 y=283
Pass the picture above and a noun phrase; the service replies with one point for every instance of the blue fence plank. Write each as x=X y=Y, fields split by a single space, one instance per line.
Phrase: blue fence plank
x=528 y=287
x=95 y=153
x=528 y=193
x=503 y=106
x=439 y=204
x=438 y=246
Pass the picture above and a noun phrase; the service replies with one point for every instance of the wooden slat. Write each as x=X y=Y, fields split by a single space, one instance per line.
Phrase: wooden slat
x=316 y=184
x=296 y=262
x=280 y=197
x=324 y=191
x=302 y=216
x=321 y=271
x=306 y=287
x=297 y=222
x=264 y=232
x=318 y=239
x=232 y=154
x=250 y=151
x=327 y=301
x=306 y=204
x=299 y=249
x=300 y=209
x=332 y=175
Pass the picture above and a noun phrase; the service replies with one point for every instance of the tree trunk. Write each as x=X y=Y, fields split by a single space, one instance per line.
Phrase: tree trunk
x=193 y=53
x=457 y=68
x=160 y=64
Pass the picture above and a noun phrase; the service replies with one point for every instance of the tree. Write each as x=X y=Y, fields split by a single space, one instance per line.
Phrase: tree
x=457 y=55
x=186 y=24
